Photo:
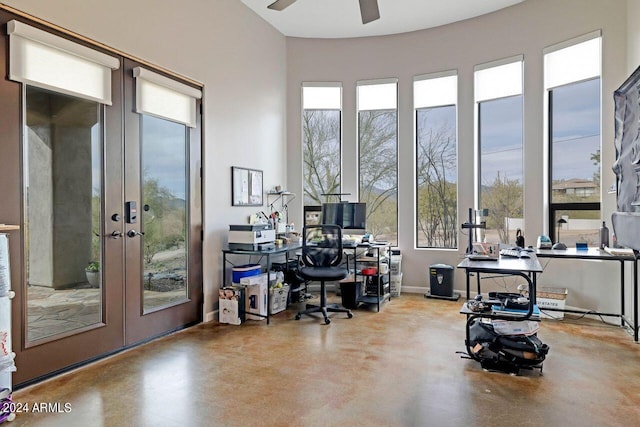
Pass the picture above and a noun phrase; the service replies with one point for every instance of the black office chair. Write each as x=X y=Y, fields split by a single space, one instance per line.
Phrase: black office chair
x=321 y=256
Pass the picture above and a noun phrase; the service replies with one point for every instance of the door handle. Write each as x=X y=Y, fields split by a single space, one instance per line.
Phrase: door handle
x=134 y=233
x=116 y=234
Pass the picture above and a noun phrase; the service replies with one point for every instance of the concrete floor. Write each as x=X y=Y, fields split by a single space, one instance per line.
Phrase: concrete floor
x=399 y=367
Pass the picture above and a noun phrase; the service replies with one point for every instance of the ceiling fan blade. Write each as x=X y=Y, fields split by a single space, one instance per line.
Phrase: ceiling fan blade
x=280 y=4
x=369 y=10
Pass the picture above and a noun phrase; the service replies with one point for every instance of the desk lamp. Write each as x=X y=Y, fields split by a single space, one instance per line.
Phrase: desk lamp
x=559 y=245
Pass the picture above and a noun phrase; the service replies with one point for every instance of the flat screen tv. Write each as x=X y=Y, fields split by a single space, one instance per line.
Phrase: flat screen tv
x=348 y=215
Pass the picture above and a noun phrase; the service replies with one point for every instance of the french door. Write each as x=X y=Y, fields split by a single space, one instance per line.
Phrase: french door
x=163 y=246
x=108 y=199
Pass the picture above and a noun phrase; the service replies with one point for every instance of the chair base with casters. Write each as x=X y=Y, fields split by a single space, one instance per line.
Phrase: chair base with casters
x=324 y=308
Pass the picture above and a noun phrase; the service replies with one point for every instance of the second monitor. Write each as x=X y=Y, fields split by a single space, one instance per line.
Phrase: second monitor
x=348 y=215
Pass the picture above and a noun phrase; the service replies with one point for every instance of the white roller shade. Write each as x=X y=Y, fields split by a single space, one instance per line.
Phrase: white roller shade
x=575 y=63
x=166 y=98
x=41 y=59
x=498 y=79
x=321 y=96
x=435 y=90
x=378 y=95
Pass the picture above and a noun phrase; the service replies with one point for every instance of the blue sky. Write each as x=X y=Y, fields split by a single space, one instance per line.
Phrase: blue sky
x=501 y=139
x=164 y=154
x=576 y=129
x=576 y=133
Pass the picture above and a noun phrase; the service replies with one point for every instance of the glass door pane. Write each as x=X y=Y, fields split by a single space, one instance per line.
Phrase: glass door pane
x=164 y=212
x=63 y=197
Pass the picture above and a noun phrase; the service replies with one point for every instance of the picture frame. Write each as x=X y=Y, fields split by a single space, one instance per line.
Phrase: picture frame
x=246 y=187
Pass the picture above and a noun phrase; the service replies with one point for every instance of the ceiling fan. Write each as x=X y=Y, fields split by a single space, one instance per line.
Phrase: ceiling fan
x=368 y=8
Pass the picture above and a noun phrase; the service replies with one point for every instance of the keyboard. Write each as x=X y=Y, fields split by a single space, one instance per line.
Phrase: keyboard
x=481 y=257
x=514 y=253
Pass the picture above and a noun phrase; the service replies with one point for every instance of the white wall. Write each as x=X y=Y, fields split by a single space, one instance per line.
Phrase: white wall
x=242 y=62
x=526 y=29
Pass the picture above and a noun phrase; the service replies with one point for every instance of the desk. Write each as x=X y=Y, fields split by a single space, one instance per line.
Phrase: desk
x=268 y=253
x=597 y=254
x=526 y=268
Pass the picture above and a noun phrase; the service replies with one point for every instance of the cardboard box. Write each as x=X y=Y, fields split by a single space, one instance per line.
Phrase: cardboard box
x=551 y=298
x=256 y=296
x=258 y=279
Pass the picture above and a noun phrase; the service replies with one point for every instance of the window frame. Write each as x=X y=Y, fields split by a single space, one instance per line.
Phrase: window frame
x=480 y=97
x=374 y=82
x=564 y=206
x=444 y=102
x=549 y=87
x=340 y=130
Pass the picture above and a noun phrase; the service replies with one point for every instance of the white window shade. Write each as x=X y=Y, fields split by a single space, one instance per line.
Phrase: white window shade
x=383 y=96
x=572 y=64
x=499 y=81
x=435 y=91
x=321 y=97
x=166 y=98
x=44 y=60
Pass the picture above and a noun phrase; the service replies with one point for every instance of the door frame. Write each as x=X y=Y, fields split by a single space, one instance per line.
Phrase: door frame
x=34 y=359
x=39 y=360
x=139 y=326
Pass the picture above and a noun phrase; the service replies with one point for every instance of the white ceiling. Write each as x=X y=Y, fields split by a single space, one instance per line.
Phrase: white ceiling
x=341 y=18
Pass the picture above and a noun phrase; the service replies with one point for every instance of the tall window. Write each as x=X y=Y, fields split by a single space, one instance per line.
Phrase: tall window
x=572 y=80
x=435 y=104
x=498 y=94
x=321 y=135
x=378 y=156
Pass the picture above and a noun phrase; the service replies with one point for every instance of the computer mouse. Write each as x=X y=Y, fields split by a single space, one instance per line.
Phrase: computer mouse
x=559 y=246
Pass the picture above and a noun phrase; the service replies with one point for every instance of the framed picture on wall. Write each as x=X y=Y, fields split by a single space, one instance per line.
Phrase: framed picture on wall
x=246 y=187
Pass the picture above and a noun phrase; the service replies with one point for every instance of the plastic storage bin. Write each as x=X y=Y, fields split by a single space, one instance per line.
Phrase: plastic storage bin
x=395 y=265
x=396 y=284
x=241 y=271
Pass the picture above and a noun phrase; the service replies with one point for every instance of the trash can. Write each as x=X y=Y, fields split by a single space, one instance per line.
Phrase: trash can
x=441 y=281
x=351 y=292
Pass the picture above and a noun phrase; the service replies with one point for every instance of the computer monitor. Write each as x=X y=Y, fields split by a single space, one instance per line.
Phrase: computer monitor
x=348 y=215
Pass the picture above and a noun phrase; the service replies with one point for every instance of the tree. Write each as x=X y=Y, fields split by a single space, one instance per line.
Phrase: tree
x=321 y=154
x=437 y=191
x=503 y=198
x=164 y=222
x=595 y=158
x=379 y=170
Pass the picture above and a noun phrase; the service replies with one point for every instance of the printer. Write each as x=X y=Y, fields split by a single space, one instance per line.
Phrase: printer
x=252 y=237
